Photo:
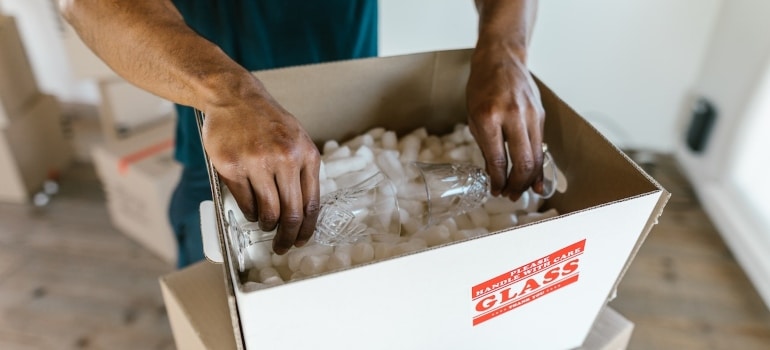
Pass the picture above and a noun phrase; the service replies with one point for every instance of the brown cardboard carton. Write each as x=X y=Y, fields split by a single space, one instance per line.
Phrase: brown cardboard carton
x=139 y=175
x=18 y=88
x=126 y=110
x=32 y=150
x=476 y=293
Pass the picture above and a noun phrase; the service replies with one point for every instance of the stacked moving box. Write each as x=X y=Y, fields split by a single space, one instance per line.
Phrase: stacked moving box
x=131 y=151
x=135 y=164
x=32 y=147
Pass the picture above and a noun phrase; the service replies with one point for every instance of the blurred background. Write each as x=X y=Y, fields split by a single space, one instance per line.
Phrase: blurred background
x=683 y=86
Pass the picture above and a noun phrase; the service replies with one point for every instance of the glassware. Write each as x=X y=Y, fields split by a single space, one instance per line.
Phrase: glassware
x=453 y=189
x=550 y=177
x=368 y=208
x=450 y=189
x=249 y=241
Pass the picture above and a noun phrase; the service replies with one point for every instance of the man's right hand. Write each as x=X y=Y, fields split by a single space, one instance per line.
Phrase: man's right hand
x=269 y=163
x=260 y=150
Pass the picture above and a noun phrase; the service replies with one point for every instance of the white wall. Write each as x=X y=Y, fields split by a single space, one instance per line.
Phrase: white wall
x=735 y=76
x=409 y=26
x=39 y=27
x=733 y=68
x=625 y=65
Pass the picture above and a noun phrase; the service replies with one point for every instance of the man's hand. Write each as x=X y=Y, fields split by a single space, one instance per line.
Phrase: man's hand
x=270 y=165
x=504 y=107
x=261 y=152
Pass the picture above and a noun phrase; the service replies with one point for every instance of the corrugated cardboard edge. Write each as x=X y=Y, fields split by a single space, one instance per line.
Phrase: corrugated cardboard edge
x=652 y=221
x=219 y=206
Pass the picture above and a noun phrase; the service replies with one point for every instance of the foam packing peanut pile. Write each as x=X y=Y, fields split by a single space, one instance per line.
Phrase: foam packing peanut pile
x=380 y=150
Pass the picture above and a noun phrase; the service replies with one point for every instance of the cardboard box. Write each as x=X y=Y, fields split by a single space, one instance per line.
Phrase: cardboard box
x=493 y=291
x=18 y=87
x=83 y=130
x=611 y=331
x=126 y=110
x=139 y=175
x=196 y=304
x=32 y=150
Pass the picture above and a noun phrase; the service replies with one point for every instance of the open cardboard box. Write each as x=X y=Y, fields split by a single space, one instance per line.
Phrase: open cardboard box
x=536 y=286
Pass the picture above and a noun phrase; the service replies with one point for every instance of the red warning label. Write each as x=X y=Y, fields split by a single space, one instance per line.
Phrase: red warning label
x=526 y=283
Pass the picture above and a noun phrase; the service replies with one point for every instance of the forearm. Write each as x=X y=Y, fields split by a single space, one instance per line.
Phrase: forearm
x=148 y=43
x=508 y=23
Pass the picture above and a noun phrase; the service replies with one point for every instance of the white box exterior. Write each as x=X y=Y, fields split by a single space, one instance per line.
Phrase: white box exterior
x=196 y=304
x=407 y=303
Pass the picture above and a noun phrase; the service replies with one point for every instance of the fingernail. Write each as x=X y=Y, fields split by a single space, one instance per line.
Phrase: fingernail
x=539 y=187
x=299 y=243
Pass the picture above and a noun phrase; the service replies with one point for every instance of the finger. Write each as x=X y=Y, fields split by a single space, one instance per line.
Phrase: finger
x=536 y=140
x=490 y=141
x=291 y=217
x=311 y=194
x=522 y=159
x=266 y=195
x=241 y=191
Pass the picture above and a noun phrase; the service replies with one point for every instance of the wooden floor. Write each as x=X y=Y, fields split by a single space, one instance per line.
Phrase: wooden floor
x=685 y=290
x=68 y=280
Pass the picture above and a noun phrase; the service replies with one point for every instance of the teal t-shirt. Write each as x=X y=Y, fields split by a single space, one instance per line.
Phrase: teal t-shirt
x=263 y=34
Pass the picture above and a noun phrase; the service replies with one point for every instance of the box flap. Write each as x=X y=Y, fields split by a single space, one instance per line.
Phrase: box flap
x=427 y=90
x=594 y=178
x=197 y=307
x=341 y=99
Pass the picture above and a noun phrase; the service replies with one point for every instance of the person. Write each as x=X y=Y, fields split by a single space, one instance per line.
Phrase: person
x=199 y=53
